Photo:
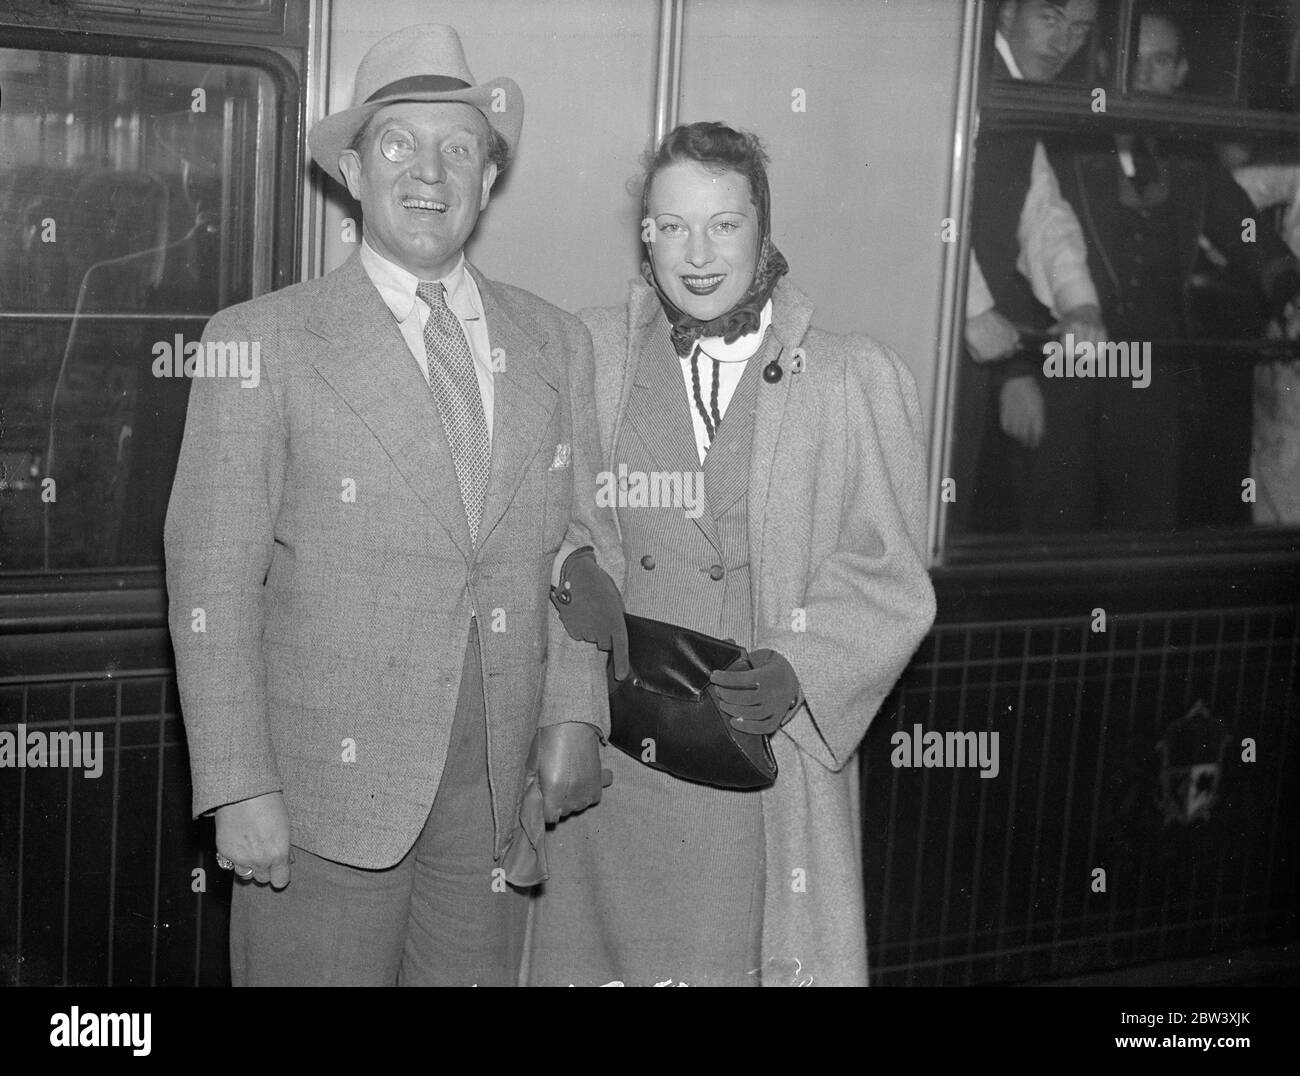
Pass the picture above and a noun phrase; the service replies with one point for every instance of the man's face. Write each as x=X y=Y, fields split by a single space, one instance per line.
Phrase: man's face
x=1160 y=66
x=706 y=237
x=1045 y=36
x=422 y=179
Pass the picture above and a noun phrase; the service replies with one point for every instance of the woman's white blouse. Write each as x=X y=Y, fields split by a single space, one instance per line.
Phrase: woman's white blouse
x=731 y=359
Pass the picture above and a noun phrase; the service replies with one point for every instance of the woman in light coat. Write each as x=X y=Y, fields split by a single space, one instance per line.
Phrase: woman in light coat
x=807 y=548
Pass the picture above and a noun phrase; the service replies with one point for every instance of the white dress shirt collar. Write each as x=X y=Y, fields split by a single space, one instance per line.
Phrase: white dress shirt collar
x=742 y=349
x=397 y=287
x=1004 y=50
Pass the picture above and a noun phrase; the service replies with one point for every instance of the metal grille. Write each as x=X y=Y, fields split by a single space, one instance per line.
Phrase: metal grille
x=97 y=882
x=974 y=880
x=969 y=880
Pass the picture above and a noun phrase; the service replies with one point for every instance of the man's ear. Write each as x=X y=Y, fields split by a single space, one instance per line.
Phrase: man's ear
x=1180 y=72
x=350 y=166
x=489 y=177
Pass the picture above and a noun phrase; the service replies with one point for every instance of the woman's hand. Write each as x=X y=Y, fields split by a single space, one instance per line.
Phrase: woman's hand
x=591 y=608
x=759 y=695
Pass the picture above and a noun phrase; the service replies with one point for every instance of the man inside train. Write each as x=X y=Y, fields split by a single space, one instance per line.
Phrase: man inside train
x=1028 y=273
x=1175 y=451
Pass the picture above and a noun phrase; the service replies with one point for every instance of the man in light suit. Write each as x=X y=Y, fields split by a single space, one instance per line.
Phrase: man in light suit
x=359 y=548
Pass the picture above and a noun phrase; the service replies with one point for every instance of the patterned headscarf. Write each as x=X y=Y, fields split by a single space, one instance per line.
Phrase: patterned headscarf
x=746 y=316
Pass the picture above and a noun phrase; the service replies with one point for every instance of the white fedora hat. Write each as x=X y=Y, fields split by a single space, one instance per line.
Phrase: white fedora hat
x=418 y=63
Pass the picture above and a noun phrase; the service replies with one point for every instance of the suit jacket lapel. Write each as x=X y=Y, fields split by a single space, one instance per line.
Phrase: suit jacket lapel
x=791 y=316
x=727 y=464
x=658 y=410
x=526 y=393
x=369 y=365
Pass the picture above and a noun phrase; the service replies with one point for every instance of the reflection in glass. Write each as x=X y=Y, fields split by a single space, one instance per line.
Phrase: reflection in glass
x=126 y=217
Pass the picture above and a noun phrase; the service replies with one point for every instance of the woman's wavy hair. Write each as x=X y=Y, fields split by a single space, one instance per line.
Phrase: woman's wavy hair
x=713 y=145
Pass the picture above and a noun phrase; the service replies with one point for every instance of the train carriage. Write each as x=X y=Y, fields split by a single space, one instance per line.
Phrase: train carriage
x=1132 y=686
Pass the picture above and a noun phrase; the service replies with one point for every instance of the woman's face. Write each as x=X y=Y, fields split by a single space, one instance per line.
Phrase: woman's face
x=705 y=237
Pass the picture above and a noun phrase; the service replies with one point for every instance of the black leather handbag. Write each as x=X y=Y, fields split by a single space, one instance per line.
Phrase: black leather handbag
x=661 y=714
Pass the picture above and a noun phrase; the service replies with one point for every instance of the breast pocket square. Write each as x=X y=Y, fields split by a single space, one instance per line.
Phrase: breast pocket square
x=561 y=459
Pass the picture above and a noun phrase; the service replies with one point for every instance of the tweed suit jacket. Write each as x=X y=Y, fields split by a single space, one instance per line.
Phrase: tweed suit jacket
x=317 y=537
x=837 y=564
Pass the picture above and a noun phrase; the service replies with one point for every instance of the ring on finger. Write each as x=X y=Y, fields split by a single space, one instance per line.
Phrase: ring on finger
x=224 y=863
x=243 y=875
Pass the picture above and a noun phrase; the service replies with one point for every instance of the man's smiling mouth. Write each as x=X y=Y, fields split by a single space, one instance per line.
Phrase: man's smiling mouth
x=703 y=285
x=426 y=205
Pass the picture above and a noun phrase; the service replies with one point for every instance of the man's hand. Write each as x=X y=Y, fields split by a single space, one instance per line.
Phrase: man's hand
x=591 y=607
x=255 y=834
x=759 y=694
x=1083 y=323
x=1287 y=326
x=1023 y=411
x=568 y=768
x=990 y=336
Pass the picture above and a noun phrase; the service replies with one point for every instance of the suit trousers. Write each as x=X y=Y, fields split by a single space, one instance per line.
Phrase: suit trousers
x=440 y=917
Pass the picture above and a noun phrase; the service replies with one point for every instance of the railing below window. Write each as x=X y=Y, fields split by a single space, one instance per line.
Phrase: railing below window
x=970 y=880
x=1106 y=763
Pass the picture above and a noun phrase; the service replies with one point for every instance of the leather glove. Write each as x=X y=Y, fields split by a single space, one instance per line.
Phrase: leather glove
x=591 y=607
x=525 y=856
x=568 y=768
x=758 y=694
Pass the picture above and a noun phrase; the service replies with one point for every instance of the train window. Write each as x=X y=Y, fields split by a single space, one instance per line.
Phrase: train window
x=128 y=189
x=1271 y=59
x=1130 y=365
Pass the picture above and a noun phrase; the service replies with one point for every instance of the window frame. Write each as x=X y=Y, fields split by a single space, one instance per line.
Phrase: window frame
x=998 y=105
x=98 y=599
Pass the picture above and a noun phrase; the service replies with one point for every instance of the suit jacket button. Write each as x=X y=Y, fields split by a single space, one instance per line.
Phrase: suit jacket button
x=648 y=563
x=717 y=572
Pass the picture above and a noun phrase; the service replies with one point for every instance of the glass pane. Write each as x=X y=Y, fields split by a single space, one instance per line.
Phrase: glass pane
x=1182 y=415
x=128 y=215
x=1272 y=59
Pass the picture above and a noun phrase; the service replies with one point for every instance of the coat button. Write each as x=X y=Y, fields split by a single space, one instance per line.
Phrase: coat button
x=648 y=563
x=772 y=372
x=717 y=572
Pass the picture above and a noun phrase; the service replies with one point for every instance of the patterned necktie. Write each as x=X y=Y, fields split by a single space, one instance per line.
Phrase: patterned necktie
x=455 y=387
